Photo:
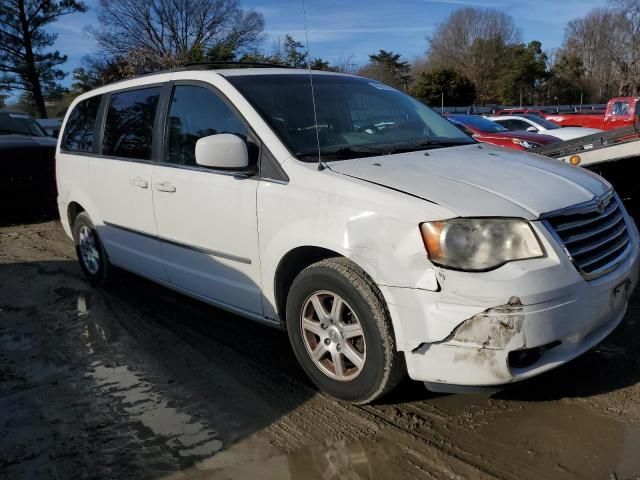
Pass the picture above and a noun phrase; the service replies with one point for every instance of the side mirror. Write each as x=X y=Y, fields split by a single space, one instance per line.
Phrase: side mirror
x=222 y=151
x=532 y=129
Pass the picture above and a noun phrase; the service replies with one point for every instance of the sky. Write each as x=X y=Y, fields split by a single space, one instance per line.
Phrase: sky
x=339 y=30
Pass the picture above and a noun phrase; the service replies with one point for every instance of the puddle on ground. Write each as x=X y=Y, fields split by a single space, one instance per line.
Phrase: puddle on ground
x=562 y=436
x=336 y=460
x=137 y=398
x=561 y=440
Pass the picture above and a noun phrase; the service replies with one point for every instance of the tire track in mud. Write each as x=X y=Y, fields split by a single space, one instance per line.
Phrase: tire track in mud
x=316 y=418
x=230 y=379
x=241 y=377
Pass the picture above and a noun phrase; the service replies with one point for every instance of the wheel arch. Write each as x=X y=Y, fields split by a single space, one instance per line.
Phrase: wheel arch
x=73 y=210
x=299 y=258
x=289 y=266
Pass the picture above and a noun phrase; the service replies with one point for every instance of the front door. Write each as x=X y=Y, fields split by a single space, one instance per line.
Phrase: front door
x=206 y=218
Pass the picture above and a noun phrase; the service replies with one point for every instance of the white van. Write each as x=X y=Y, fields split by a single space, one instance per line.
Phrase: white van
x=383 y=239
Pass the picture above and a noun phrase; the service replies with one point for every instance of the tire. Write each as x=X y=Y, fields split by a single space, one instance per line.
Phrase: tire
x=361 y=332
x=92 y=256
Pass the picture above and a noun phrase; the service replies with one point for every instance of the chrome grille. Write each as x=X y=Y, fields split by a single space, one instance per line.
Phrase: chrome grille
x=594 y=235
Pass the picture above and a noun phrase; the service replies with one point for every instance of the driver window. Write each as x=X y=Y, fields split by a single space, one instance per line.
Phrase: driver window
x=197 y=112
x=620 y=108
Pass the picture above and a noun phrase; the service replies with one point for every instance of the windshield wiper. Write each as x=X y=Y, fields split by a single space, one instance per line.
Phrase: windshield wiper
x=359 y=151
x=431 y=144
x=354 y=151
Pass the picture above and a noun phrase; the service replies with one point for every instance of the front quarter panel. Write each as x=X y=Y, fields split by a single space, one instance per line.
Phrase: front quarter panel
x=376 y=227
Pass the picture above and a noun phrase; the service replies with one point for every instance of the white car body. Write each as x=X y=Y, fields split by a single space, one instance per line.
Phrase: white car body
x=541 y=126
x=454 y=327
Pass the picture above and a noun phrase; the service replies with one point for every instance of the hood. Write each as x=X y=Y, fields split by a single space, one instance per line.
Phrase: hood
x=480 y=180
x=575 y=131
x=25 y=142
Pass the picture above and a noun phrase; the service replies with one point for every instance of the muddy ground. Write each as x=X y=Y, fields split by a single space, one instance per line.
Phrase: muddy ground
x=135 y=381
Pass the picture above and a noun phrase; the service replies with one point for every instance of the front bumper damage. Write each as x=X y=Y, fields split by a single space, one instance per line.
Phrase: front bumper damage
x=561 y=317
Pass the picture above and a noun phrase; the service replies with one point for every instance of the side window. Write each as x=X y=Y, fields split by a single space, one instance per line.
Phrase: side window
x=620 y=108
x=197 y=112
x=78 y=132
x=519 y=125
x=128 y=128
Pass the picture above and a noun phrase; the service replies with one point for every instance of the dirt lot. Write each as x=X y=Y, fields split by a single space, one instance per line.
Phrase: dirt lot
x=135 y=381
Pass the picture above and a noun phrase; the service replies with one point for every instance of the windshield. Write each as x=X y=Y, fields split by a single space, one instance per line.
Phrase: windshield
x=21 y=124
x=479 y=123
x=356 y=117
x=546 y=124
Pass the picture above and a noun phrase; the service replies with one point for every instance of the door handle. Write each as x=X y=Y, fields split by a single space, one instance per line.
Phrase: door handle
x=139 y=182
x=165 y=187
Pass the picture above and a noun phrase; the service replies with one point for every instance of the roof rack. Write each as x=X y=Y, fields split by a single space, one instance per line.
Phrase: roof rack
x=220 y=64
x=204 y=66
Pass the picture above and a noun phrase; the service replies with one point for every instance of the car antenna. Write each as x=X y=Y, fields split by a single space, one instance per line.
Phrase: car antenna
x=313 y=95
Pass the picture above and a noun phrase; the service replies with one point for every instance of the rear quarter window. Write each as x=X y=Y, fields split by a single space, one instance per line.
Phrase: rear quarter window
x=128 y=130
x=79 y=130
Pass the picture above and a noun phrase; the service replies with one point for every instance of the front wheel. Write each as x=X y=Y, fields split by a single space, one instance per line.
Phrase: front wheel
x=341 y=332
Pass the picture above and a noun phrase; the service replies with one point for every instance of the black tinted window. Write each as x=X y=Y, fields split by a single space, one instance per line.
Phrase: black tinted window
x=197 y=112
x=78 y=133
x=20 y=124
x=516 y=125
x=129 y=126
x=346 y=115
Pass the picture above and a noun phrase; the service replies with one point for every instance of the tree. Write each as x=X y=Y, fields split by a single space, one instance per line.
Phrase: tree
x=522 y=74
x=592 y=40
x=24 y=63
x=472 y=42
x=321 y=64
x=607 y=42
x=152 y=34
x=388 y=68
x=627 y=55
x=294 y=54
x=432 y=87
x=567 y=79
x=288 y=52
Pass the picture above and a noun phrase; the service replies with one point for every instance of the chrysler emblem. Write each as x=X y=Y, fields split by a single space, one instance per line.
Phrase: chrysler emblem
x=601 y=205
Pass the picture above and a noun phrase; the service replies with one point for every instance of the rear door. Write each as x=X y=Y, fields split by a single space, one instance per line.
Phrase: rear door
x=207 y=218
x=120 y=177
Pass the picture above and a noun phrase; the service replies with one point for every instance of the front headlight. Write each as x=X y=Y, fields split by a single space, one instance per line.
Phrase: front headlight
x=477 y=244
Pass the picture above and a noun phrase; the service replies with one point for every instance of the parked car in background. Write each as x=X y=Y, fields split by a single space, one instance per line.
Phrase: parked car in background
x=486 y=131
x=382 y=239
x=19 y=123
x=620 y=112
x=536 y=124
x=27 y=165
x=51 y=126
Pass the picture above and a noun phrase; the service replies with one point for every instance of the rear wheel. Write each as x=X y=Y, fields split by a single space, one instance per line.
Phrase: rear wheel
x=341 y=332
x=91 y=254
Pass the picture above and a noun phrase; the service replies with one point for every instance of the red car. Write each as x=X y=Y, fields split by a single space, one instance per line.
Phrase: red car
x=620 y=112
x=486 y=131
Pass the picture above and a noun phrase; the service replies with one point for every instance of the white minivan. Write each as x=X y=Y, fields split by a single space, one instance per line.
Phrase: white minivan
x=383 y=239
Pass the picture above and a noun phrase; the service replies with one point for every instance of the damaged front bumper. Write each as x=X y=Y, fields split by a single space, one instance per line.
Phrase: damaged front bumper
x=560 y=318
